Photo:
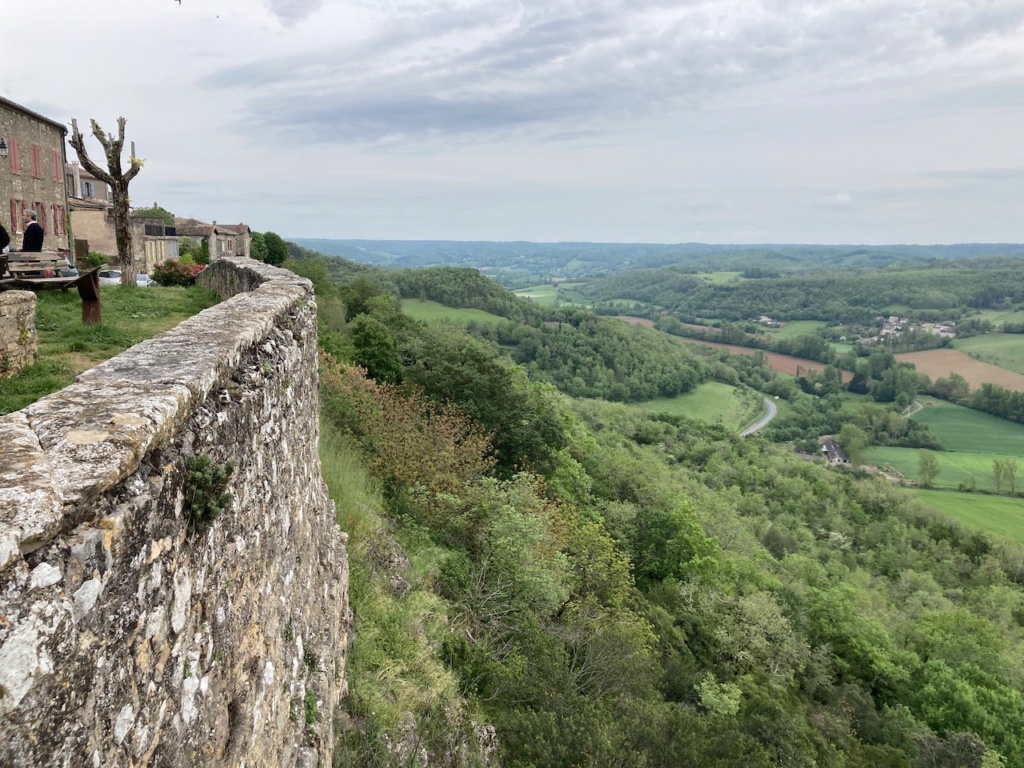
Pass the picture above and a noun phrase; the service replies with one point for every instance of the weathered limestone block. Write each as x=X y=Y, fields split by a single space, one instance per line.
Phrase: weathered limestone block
x=18 y=341
x=125 y=638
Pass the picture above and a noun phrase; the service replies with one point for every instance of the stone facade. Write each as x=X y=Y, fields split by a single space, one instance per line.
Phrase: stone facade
x=32 y=175
x=18 y=340
x=128 y=639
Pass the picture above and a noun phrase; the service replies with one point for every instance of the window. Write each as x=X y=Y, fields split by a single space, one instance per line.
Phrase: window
x=15 y=159
x=15 y=221
x=56 y=165
x=37 y=165
x=40 y=210
x=88 y=189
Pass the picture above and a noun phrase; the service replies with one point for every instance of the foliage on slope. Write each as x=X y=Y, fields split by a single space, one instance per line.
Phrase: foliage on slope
x=656 y=591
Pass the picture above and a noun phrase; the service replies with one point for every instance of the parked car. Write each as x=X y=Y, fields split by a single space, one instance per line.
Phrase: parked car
x=110 y=277
x=144 y=281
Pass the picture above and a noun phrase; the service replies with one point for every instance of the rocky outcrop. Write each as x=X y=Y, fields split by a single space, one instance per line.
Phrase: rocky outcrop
x=128 y=635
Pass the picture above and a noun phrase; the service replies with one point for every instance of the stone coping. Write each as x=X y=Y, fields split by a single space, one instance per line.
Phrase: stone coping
x=70 y=447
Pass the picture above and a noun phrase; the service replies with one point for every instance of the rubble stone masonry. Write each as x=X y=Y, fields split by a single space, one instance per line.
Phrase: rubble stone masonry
x=18 y=342
x=126 y=639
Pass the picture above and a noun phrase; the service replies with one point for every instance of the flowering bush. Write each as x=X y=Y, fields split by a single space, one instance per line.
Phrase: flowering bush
x=176 y=273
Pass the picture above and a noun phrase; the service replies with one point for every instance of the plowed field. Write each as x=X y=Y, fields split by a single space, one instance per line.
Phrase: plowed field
x=938 y=363
x=781 y=363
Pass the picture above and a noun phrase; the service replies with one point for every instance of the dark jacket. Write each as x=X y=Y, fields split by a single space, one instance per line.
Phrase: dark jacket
x=33 y=239
x=5 y=239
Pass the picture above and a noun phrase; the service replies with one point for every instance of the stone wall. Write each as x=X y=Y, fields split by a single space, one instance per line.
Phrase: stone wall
x=18 y=341
x=128 y=639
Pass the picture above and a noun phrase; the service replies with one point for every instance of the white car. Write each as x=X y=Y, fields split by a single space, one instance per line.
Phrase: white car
x=110 y=277
x=144 y=281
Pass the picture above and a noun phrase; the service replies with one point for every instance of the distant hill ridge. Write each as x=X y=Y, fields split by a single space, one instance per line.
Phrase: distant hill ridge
x=582 y=258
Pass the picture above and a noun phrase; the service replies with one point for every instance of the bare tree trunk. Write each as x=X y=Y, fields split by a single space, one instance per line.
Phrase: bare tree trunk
x=118 y=181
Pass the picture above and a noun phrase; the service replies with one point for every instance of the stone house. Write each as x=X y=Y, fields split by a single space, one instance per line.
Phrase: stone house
x=32 y=160
x=222 y=239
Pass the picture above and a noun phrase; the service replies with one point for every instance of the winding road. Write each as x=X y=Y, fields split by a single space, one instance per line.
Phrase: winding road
x=772 y=413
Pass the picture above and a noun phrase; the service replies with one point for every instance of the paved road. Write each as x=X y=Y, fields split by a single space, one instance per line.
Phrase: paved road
x=772 y=412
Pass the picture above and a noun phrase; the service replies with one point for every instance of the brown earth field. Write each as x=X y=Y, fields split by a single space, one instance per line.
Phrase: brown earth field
x=781 y=363
x=938 y=363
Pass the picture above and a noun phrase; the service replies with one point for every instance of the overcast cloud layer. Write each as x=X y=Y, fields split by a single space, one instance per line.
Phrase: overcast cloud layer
x=863 y=121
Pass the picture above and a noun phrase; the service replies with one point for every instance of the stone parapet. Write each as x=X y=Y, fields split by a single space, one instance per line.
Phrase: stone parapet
x=18 y=342
x=126 y=637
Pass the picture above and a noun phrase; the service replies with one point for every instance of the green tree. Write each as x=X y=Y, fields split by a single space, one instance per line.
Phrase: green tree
x=927 y=468
x=277 y=250
x=154 y=212
x=258 y=246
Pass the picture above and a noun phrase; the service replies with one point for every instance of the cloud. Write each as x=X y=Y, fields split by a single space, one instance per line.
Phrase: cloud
x=291 y=12
x=838 y=200
x=490 y=68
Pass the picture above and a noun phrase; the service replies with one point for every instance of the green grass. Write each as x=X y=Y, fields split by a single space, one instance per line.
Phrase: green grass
x=1003 y=349
x=66 y=347
x=999 y=316
x=720 y=278
x=797 y=328
x=994 y=514
x=712 y=402
x=431 y=310
x=542 y=294
x=963 y=430
x=954 y=468
x=840 y=347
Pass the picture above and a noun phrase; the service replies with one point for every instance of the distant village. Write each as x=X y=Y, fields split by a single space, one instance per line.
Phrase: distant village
x=75 y=209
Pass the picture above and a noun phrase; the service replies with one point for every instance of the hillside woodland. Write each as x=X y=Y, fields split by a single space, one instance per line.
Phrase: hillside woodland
x=542 y=577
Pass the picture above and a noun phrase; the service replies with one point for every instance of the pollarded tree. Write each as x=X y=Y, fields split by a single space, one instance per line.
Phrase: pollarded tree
x=118 y=179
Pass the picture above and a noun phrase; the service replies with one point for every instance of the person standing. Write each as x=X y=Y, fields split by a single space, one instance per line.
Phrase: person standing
x=32 y=240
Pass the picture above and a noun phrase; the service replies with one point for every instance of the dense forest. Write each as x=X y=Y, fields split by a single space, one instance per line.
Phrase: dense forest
x=546 y=580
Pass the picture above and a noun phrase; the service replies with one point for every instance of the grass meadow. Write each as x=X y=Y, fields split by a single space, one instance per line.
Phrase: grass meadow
x=66 y=347
x=542 y=294
x=963 y=430
x=713 y=402
x=796 y=328
x=999 y=316
x=421 y=309
x=994 y=514
x=1003 y=349
x=720 y=278
x=954 y=468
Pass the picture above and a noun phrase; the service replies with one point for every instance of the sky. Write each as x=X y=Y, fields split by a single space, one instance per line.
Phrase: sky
x=663 y=121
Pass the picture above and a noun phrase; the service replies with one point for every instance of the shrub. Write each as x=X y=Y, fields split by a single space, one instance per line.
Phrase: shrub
x=176 y=273
x=93 y=260
x=205 y=492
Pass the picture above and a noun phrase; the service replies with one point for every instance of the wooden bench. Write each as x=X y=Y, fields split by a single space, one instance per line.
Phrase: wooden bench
x=42 y=270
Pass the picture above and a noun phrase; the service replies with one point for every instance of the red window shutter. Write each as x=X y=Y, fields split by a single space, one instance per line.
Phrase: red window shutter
x=14 y=217
x=15 y=160
x=56 y=165
x=40 y=210
x=56 y=224
x=36 y=165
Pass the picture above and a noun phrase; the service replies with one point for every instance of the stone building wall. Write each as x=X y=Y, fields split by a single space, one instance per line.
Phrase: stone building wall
x=18 y=341
x=21 y=186
x=126 y=638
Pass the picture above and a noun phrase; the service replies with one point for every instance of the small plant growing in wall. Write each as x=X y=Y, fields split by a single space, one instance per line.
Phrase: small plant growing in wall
x=205 y=492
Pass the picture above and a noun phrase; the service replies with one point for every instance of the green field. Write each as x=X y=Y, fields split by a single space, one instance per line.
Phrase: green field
x=963 y=430
x=954 y=468
x=994 y=514
x=797 y=328
x=999 y=316
x=542 y=294
x=431 y=310
x=720 y=278
x=840 y=347
x=1003 y=349
x=713 y=402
